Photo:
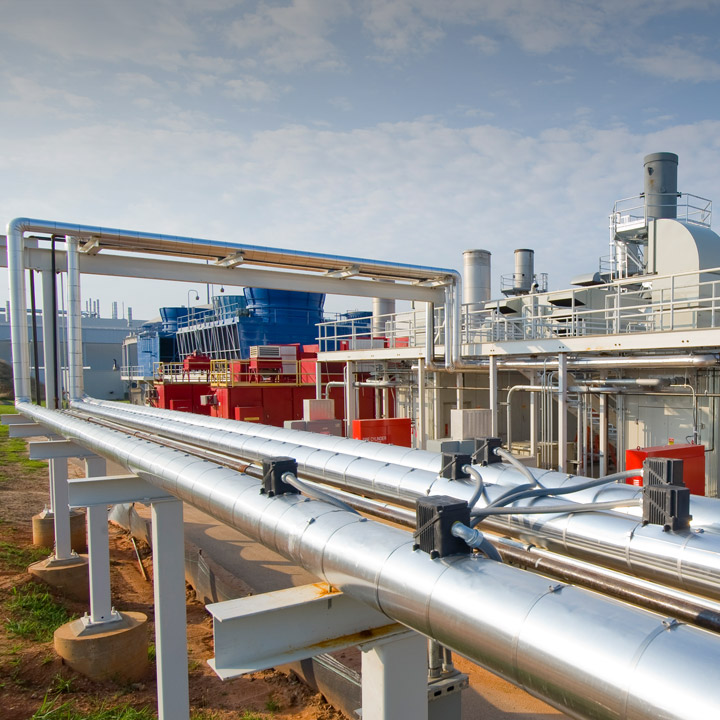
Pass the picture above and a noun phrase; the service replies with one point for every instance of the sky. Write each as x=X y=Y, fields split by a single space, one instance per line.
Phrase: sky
x=405 y=130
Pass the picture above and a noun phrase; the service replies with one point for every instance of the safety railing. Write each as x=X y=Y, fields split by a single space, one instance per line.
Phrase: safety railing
x=632 y=213
x=175 y=372
x=684 y=301
x=395 y=330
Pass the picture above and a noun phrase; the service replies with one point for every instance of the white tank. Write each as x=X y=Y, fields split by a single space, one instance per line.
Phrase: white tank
x=476 y=278
x=524 y=270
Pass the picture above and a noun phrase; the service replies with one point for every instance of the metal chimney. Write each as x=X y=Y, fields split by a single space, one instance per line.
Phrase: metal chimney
x=476 y=278
x=524 y=271
x=660 y=171
x=114 y=310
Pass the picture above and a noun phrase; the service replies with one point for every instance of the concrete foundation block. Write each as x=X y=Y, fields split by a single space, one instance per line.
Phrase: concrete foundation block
x=43 y=530
x=69 y=576
x=110 y=651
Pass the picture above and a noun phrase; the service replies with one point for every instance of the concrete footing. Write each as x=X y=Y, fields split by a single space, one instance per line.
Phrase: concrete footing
x=69 y=576
x=109 y=651
x=43 y=530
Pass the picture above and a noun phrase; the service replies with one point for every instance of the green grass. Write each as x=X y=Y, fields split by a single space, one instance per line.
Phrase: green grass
x=51 y=710
x=17 y=558
x=35 y=615
x=14 y=450
x=272 y=705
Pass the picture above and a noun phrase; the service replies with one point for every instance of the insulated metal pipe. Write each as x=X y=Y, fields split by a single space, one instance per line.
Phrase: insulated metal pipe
x=588 y=656
x=689 y=559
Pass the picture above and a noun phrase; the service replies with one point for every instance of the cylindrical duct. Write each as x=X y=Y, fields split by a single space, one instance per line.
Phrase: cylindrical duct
x=476 y=278
x=114 y=310
x=661 y=185
x=524 y=270
x=381 y=307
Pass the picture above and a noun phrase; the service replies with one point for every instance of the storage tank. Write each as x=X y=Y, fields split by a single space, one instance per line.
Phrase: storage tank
x=524 y=271
x=476 y=278
x=660 y=172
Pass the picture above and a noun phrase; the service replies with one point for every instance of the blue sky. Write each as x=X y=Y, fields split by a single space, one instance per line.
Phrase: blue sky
x=408 y=130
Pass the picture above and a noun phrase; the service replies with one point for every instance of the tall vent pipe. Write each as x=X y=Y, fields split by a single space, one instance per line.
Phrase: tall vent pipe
x=660 y=172
x=524 y=271
x=476 y=278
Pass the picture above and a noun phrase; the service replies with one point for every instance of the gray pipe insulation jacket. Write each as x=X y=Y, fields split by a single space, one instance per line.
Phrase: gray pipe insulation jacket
x=590 y=656
x=689 y=560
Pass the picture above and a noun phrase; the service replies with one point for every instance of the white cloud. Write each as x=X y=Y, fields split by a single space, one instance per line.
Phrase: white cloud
x=418 y=191
x=485 y=44
x=676 y=63
x=293 y=36
x=247 y=88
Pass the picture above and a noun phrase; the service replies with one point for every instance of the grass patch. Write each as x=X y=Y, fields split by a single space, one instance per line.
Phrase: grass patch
x=13 y=557
x=51 y=710
x=272 y=705
x=36 y=615
x=14 y=450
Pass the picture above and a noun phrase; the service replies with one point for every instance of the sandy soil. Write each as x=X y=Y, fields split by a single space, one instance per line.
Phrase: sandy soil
x=30 y=670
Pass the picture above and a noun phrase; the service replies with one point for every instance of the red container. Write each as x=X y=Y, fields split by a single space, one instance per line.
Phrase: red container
x=390 y=431
x=693 y=457
x=250 y=414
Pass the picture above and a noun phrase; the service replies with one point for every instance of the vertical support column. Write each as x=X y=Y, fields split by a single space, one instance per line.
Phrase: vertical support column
x=74 y=329
x=533 y=418
x=603 y=420
x=49 y=349
x=494 y=429
x=99 y=552
x=394 y=679
x=620 y=427
x=170 y=614
x=386 y=393
x=562 y=413
x=318 y=380
x=349 y=397
x=459 y=390
x=61 y=512
x=438 y=432
x=421 y=419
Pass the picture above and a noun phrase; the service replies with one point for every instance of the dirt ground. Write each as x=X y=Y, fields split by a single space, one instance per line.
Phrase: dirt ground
x=30 y=671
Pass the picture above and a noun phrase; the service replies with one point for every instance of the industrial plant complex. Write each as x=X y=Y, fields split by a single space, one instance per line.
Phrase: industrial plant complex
x=528 y=480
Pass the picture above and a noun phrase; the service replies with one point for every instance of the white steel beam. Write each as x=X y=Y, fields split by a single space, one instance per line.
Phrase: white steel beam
x=262 y=631
x=13 y=419
x=24 y=430
x=170 y=612
x=113 y=490
x=183 y=271
x=394 y=678
x=46 y=450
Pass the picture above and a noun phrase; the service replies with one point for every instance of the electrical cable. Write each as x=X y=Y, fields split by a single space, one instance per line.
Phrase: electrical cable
x=479 y=485
x=549 y=509
x=316 y=493
x=512 y=460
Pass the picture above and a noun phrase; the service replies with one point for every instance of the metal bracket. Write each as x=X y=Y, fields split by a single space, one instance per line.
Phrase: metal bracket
x=262 y=631
x=113 y=490
x=52 y=449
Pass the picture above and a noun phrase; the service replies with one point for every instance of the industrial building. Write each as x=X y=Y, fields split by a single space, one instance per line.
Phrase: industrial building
x=559 y=481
